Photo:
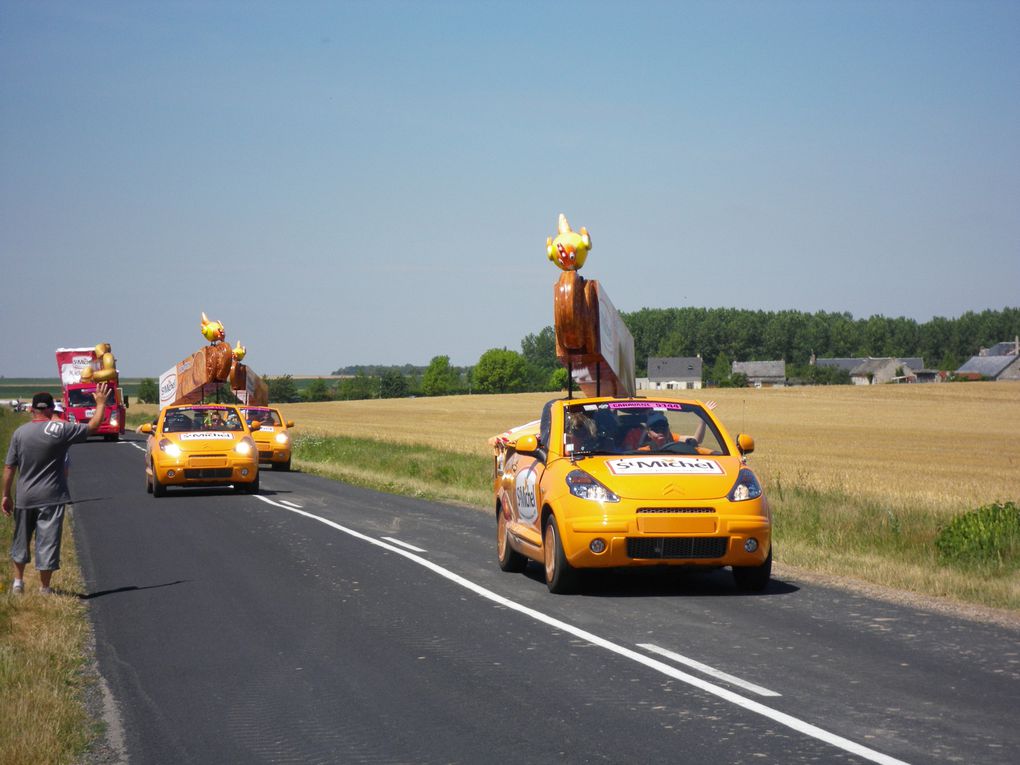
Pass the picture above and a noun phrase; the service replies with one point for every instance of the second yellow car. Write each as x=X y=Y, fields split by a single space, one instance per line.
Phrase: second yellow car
x=272 y=437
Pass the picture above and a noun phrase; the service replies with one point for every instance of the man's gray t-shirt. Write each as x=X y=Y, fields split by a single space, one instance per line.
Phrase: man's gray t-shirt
x=38 y=449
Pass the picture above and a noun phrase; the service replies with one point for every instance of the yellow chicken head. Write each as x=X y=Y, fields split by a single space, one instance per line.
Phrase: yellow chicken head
x=570 y=248
x=212 y=331
x=239 y=351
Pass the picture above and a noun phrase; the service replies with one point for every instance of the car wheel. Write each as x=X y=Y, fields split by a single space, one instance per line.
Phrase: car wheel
x=249 y=488
x=158 y=489
x=753 y=578
x=509 y=559
x=560 y=576
x=148 y=484
x=284 y=466
x=111 y=437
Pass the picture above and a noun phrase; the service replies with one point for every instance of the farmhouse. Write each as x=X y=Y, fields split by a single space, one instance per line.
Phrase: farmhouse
x=874 y=371
x=761 y=374
x=673 y=373
x=1000 y=362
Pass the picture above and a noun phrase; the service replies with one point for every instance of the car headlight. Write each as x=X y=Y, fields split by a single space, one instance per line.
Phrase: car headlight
x=113 y=421
x=244 y=447
x=586 y=487
x=746 y=487
x=281 y=438
x=169 y=447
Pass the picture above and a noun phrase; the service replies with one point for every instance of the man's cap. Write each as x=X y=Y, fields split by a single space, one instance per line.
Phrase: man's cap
x=42 y=400
x=657 y=418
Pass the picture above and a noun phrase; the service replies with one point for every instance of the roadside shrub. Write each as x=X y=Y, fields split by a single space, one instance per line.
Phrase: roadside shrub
x=989 y=535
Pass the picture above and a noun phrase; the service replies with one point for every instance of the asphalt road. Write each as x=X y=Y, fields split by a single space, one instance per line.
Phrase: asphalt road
x=320 y=623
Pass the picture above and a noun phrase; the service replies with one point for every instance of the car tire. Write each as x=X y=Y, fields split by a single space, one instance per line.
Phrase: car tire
x=509 y=559
x=158 y=489
x=560 y=576
x=148 y=484
x=284 y=466
x=111 y=437
x=753 y=578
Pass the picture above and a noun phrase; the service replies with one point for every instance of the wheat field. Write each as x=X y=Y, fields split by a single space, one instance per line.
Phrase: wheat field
x=945 y=447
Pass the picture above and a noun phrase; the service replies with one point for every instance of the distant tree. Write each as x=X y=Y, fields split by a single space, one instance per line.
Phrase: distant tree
x=392 y=384
x=558 y=380
x=721 y=371
x=361 y=386
x=317 y=390
x=439 y=379
x=148 y=391
x=539 y=352
x=282 y=390
x=501 y=371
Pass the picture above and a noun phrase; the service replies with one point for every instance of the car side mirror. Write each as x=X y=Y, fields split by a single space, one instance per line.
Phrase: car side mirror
x=528 y=446
x=290 y=423
x=745 y=443
x=127 y=402
x=253 y=426
x=146 y=428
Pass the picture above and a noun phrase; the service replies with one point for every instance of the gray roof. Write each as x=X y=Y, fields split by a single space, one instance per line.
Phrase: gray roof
x=845 y=364
x=757 y=369
x=664 y=369
x=987 y=366
x=874 y=365
x=1000 y=349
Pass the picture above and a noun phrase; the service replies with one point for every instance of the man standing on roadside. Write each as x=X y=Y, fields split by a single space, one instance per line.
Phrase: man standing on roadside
x=37 y=452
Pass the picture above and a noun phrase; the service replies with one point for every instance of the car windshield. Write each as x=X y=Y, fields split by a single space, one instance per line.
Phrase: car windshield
x=264 y=416
x=634 y=427
x=83 y=397
x=187 y=418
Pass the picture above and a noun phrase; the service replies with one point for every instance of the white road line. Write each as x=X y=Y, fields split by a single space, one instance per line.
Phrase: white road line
x=405 y=545
x=753 y=706
x=716 y=673
x=139 y=448
x=290 y=504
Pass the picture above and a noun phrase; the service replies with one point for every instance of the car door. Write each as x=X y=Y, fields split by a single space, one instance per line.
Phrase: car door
x=525 y=477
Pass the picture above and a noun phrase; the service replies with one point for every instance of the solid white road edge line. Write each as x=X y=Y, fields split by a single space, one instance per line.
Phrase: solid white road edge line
x=405 y=545
x=290 y=504
x=139 y=448
x=706 y=669
x=753 y=706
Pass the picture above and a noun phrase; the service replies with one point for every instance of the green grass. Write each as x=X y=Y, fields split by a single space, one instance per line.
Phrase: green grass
x=405 y=469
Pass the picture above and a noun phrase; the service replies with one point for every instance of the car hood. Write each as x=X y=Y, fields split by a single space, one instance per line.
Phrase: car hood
x=202 y=441
x=664 y=476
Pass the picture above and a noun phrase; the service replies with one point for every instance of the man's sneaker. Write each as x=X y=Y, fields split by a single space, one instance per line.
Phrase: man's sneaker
x=45 y=591
x=18 y=588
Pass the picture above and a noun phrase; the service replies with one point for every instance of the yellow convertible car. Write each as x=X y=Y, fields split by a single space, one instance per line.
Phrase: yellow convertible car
x=271 y=437
x=200 y=445
x=605 y=482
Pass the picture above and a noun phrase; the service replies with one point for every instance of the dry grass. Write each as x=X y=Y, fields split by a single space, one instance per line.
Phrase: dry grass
x=42 y=669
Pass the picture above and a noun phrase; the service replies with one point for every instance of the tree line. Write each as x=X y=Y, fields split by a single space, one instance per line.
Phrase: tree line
x=718 y=335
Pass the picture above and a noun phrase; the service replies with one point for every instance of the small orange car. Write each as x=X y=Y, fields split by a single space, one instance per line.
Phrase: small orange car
x=272 y=437
x=200 y=445
x=606 y=482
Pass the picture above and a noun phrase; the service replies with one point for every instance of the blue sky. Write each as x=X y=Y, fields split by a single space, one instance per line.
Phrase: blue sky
x=373 y=182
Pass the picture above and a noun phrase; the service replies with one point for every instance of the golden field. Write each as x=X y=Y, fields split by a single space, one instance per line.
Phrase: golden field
x=945 y=447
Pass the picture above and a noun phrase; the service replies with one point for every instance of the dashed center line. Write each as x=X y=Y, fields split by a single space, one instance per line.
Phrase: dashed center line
x=404 y=544
x=716 y=673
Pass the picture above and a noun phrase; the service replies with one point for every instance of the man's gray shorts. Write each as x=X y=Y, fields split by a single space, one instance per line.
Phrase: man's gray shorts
x=47 y=523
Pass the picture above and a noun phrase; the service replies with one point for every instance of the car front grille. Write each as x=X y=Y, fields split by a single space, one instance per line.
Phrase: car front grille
x=265 y=455
x=658 y=510
x=208 y=472
x=677 y=547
